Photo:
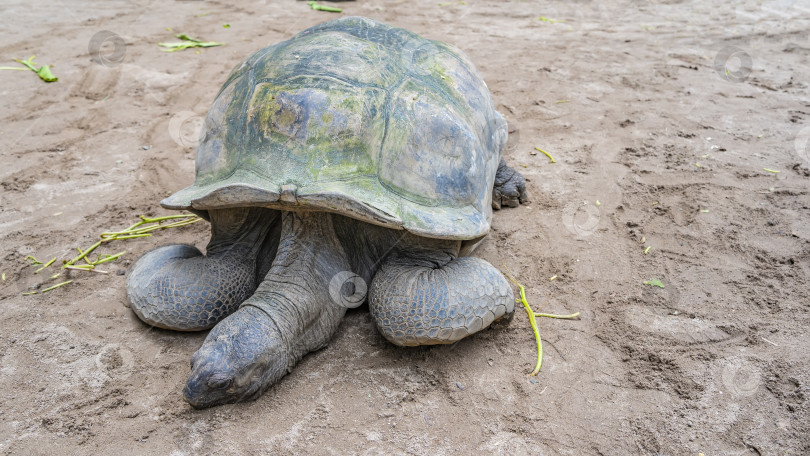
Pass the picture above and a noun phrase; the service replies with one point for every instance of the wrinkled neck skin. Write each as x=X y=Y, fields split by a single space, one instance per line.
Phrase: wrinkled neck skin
x=292 y=312
x=369 y=245
x=294 y=293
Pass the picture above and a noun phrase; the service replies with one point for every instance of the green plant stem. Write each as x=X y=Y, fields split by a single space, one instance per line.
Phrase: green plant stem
x=533 y=322
x=129 y=237
x=109 y=258
x=547 y=154
x=144 y=219
x=34 y=261
x=45 y=266
x=83 y=254
x=57 y=286
x=561 y=317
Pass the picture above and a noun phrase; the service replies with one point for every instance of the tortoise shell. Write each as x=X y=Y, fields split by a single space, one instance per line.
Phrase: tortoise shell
x=358 y=118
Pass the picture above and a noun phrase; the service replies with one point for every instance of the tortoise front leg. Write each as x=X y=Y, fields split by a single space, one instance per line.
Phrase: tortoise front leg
x=432 y=297
x=510 y=187
x=177 y=287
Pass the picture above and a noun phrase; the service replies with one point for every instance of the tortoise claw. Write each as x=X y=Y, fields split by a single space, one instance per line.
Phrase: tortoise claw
x=509 y=189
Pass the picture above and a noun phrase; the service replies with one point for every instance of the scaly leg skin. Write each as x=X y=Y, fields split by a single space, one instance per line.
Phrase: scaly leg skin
x=290 y=314
x=429 y=296
x=176 y=287
x=510 y=187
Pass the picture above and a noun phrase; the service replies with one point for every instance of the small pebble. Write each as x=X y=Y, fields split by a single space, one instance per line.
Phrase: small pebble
x=533 y=380
x=146 y=147
x=459 y=386
x=121 y=272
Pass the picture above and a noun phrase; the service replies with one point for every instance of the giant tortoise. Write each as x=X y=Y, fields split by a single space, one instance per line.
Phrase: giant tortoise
x=356 y=162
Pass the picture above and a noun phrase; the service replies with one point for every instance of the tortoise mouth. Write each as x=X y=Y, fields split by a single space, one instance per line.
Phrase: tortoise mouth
x=217 y=381
x=200 y=395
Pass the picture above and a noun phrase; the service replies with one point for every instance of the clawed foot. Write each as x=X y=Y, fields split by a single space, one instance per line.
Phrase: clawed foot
x=509 y=189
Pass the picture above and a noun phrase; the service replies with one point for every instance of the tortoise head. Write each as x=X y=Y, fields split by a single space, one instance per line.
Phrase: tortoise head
x=240 y=356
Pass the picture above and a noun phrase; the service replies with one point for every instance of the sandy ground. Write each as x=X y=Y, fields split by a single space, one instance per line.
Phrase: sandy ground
x=667 y=113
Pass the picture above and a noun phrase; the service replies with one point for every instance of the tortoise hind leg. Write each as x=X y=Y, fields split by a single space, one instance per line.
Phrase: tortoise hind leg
x=177 y=287
x=510 y=187
x=432 y=297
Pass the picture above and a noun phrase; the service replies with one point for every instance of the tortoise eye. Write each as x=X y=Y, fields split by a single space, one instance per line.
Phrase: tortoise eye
x=219 y=383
